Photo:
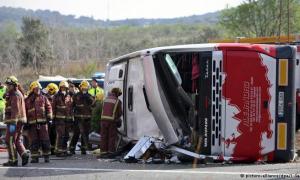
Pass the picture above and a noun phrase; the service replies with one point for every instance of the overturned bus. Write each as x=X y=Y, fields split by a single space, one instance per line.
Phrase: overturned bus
x=223 y=100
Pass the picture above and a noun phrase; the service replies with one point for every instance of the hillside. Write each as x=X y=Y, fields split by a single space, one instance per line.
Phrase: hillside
x=54 y=18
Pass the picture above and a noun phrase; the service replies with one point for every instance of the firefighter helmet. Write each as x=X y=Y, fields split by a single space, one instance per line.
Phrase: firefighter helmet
x=12 y=80
x=63 y=84
x=33 y=85
x=84 y=84
x=52 y=88
x=116 y=91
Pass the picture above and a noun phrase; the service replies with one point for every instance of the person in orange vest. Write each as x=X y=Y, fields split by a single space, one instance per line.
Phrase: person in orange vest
x=15 y=118
x=63 y=118
x=110 y=121
x=39 y=111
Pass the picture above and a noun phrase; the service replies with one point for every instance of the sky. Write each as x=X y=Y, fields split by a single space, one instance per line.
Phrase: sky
x=125 y=9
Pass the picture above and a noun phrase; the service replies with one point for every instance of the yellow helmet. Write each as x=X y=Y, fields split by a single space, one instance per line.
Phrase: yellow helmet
x=116 y=91
x=12 y=80
x=99 y=96
x=52 y=88
x=84 y=84
x=33 y=85
x=63 y=84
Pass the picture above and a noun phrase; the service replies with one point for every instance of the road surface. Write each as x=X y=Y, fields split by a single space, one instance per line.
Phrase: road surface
x=88 y=167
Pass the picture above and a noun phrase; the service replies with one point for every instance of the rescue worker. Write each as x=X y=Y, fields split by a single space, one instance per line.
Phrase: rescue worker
x=62 y=110
x=72 y=88
x=2 y=100
x=96 y=112
x=75 y=128
x=51 y=90
x=95 y=89
x=82 y=113
x=38 y=110
x=110 y=121
x=15 y=117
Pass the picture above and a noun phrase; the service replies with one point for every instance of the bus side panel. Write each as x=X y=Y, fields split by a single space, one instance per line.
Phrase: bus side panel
x=249 y=93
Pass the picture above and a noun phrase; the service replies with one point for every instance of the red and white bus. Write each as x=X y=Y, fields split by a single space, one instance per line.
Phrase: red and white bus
x=238 y=99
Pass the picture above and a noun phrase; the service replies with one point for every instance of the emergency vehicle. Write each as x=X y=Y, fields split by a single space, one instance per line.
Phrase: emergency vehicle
x=239 y=99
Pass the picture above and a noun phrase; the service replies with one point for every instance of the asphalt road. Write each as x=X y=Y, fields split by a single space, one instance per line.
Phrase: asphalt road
x=88 y=167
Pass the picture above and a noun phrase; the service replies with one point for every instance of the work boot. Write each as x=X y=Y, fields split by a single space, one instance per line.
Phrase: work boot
x=46 y=159
x=10 y=164
x=62 y=154
x=34 y=160
x=25 y=158
x=52 y=151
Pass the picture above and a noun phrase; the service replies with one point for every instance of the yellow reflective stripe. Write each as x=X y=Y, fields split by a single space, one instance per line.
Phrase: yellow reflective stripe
x=281 y=136
x=34 y=155
x=31 y=110
x=61 y=107
x=50 y=116
x=79 y=105
x=8 y=107
x=283 y=72
x=83 y=116
x=107 y=117
x=115 y=108
x=41 y=120
x=11 y=120
x=58 y=116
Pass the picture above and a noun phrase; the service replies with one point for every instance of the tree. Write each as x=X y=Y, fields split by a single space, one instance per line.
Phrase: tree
x=34 y=44
x=9 y=54
x=261 y=18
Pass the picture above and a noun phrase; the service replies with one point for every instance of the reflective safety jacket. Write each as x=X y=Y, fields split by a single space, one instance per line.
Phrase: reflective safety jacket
x=112 y=108
x=15 y=108
x=2 y=98
x=38 y=109
x=62 y=107
x=94 y=91
x=82 y=104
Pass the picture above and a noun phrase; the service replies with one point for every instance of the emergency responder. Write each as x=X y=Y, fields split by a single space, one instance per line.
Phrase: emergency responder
x=75 y=128
x=38 y=111
x=2 y=100
x=110 y=121
x=82 y=113
x=96 y=112
x=95 y=89
x=62 y=110
x=51 y=90
x=72 y=88
x=15 y=117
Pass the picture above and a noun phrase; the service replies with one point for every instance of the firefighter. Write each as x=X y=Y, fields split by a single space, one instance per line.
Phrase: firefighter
x=2 y=100
x=76 y=131
x=15 y=117
x=62 y=110
x=110 y=121
x=51 y=90
x=39 y=111
x=82 y=113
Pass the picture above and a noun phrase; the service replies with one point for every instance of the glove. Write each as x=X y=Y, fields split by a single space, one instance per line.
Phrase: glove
x=12 y=128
